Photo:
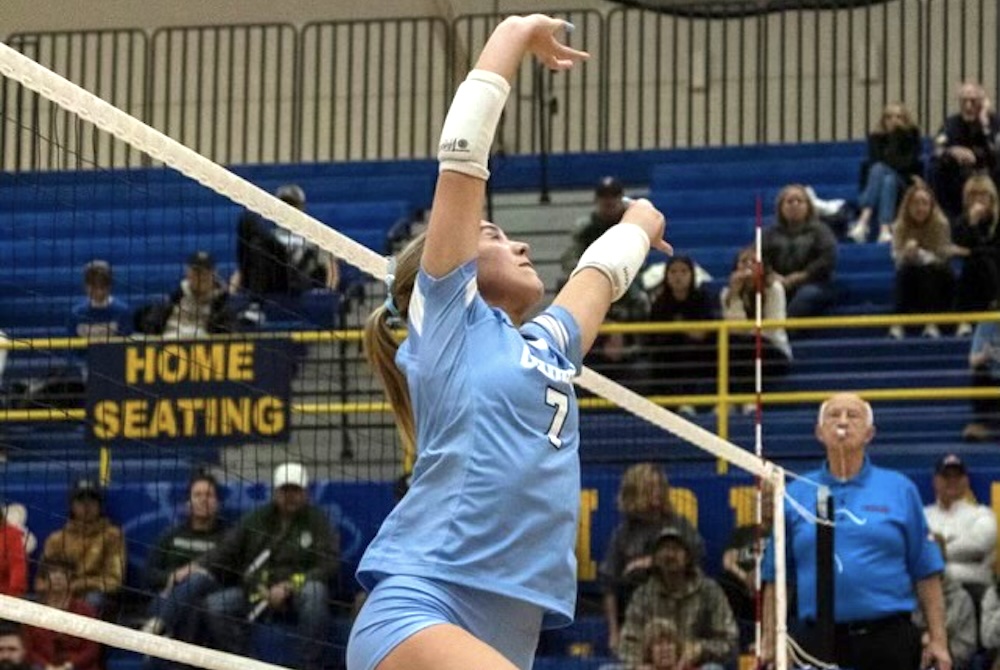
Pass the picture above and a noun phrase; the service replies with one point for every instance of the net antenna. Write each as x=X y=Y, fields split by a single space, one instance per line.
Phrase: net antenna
x=160 y=147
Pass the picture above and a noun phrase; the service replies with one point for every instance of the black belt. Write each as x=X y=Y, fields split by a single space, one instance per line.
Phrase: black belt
x=866 y=626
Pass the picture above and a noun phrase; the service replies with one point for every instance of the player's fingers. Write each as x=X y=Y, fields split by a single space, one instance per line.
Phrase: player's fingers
x=664 y=246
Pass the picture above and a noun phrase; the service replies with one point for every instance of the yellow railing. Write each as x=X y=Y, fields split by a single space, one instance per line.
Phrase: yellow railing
x=722 y=400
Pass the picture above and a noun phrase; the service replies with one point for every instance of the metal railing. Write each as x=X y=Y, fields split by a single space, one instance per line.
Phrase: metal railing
x=722 y=399
x=701 y=75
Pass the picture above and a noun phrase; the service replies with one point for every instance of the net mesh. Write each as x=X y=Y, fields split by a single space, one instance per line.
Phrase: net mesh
x=279 y=381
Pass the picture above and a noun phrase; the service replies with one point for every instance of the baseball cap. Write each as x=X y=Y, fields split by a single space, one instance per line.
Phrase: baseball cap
x=609 y=187
x=97 y=269
x=671 y=533
x=290 y=474
x=292 y=194
x=201 y=260
x=950 y=461
x=86 y=488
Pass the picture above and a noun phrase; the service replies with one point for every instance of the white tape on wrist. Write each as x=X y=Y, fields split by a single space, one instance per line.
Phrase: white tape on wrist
x=618 y=254
x=471 y=123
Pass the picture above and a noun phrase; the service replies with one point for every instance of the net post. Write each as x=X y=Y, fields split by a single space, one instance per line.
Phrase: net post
x=780 y=574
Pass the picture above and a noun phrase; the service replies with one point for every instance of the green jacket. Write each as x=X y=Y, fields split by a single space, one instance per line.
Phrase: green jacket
x=699 y=609
x=306 y=548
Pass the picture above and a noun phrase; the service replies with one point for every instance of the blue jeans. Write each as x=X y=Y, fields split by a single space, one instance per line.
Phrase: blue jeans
x=179 y=608
x=812 y=299
x=228 y=609
x=881 y=191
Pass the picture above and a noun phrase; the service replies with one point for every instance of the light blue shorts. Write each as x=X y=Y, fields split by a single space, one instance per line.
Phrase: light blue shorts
x=400 y=606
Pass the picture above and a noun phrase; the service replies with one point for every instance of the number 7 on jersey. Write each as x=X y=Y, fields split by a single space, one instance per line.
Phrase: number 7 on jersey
x=560 y=401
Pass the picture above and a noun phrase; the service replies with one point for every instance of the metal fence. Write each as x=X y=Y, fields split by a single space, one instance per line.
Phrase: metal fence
x=701 y=75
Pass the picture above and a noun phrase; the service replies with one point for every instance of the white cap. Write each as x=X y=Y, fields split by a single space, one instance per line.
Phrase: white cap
x=290 y=474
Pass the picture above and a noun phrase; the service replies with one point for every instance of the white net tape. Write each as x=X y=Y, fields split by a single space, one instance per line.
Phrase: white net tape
x=33 y=614
x=137 y=134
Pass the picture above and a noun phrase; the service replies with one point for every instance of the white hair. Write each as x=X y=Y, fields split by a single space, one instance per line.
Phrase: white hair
x=869 y=413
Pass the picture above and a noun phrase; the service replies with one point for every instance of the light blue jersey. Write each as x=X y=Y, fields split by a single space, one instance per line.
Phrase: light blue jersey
x=882 y=544
x=495 y=493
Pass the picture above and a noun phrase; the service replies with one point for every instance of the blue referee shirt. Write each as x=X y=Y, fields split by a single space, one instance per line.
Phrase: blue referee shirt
x=881 y=544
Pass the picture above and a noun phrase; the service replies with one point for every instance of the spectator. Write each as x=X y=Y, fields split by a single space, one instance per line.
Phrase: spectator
x=739 y=304
x=960 y=620
x=173 y=571
x=644 y=502
x=287 y=554
x=679 y=592
x=661 y=646
x=968 y=530
x=609 y=206
x=977 y=242
x=13 y=559
x=199 y=307
x=739 y=566
x=921 y=248
x=802 y=252
x=965 y=146
x=681 y=359
x=881 y=538
x=893 y=158
x=91 y=545
x=100 y=315
x=984 y=359
x=13 y=652
x=51 y=650
x=273 y=261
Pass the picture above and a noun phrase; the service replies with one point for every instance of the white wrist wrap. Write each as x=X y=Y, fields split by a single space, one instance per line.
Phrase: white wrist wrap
x=472 y=119
x=618 y=254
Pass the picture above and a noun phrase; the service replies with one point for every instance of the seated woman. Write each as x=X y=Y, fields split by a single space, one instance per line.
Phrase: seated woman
x=802 y=252
x=921 y=247
x=679 y=360
x=977 y=242
x=893 y=157
x=739 y=304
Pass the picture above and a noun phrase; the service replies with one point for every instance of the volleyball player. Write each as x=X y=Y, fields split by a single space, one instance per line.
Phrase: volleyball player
x=477 y=557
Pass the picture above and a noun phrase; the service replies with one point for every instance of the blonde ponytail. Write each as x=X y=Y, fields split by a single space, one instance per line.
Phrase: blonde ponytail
x=381 y=345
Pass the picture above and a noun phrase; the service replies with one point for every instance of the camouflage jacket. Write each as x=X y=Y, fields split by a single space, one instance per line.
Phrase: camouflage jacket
x=699 y=610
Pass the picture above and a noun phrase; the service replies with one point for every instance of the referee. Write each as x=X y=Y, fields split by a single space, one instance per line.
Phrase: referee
x=885 y=563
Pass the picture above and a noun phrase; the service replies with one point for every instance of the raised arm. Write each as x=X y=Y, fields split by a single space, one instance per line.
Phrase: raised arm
x=453 y=229
x=609 y=266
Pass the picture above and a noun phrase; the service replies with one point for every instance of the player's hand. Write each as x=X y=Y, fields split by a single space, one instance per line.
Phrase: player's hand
x=642 y=213
x=543 y=41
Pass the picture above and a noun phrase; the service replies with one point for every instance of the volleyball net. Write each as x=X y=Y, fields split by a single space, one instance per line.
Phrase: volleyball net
x=218 y=370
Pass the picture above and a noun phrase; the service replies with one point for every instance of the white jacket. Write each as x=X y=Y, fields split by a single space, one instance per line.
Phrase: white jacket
x=970 y=533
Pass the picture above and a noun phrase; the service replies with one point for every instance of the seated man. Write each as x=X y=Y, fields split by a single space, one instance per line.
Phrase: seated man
x=100 y=314
x=13 y=651
x=678 y=592
x=967 y=529
x=967 y=144
x=91 y=545
x=50 y=649
x=172 y=569
x=198 y=307
x=286 y=553
x=273 y=261
x=616 y=354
